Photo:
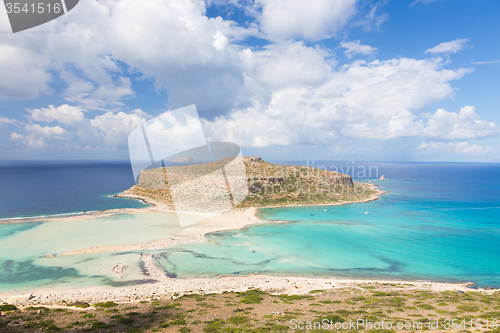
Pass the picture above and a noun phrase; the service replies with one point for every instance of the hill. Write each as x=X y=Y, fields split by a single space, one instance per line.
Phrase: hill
x=268 y=185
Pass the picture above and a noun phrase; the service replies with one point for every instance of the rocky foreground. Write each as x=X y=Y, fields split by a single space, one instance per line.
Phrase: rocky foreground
x=263 y=304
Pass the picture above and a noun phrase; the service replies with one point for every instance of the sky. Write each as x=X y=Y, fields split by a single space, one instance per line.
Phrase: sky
x=364 y=80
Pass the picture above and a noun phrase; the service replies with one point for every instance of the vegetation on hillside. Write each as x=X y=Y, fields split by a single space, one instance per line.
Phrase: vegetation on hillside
x=256 y=311
x=268 y=184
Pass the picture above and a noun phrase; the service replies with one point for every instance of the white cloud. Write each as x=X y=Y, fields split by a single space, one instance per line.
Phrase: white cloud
x=361 y=100
x=24 y=73
x=109 y=130
x=285 y=65
x=41 y=136
x=115 y=128
x=8 y=121
x=433 y=148
x=101 y=97
x=171 y=42
x=220 y=41
x=65 y=114
x=464 y=125
x=485 y=62
x=355 y=47
x=449 y=47
x=310 y=20
x=286 y=93
x=16 y=136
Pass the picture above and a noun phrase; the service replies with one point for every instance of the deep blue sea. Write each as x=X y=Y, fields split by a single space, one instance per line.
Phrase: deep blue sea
x=438 y=221
x=33 y=188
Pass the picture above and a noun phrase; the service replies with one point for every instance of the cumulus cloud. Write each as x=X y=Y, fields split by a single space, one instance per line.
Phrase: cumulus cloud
x=355 y=47
x=449 y=47
x=372 y=100
x=24 y=75
x=466 y=124
x=109 y=130
x=8 y=121
x=285 y=93
x=220 y=41
x=115 y=128
x=310 y=20
x=39 y=136
x=171 y=42
x=285 y=65
x=64 y=114
x=432 y=147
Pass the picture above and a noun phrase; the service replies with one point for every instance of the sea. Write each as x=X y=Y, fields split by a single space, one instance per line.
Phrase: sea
x=437 y=222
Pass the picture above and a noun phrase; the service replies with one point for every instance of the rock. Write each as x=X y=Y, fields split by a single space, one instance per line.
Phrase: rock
x=182 y=159
x=119 y=268
x=21 y=297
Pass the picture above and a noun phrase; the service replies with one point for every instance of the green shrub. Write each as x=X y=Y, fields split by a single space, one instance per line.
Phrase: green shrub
x=8 y=307
x=213 y=326
x=238 y=320
x=253 y=296
x=343 y=312
x=330 y=318
x=126 y=321
x=135 y=330
x=107 y=304
x=468 y=308
x=99 y=325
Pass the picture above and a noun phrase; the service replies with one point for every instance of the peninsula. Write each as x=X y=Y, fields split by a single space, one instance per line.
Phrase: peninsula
x=269 y=185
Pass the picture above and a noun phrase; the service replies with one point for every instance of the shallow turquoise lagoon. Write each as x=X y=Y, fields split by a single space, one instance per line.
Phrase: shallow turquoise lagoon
x=442 y=225
x=30 y=252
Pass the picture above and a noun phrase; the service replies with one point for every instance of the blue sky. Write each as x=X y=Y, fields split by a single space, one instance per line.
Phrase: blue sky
x=284 y=79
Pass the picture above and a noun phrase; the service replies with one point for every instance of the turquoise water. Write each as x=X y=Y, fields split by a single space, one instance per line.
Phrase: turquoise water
x=438 y=222
x=442 y=225
x=30 y=253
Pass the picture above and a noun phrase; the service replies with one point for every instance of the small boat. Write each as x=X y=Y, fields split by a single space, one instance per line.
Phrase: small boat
x=366 y=211
x=311 y=214
x=325 y=210
x=332 y=211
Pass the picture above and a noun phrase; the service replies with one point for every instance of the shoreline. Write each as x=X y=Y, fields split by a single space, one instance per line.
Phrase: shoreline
x=235 y=219
x=158 y=206
x=171 y=288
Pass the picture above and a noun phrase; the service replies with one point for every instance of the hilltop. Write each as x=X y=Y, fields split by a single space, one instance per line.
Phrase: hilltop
x=268 y=185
